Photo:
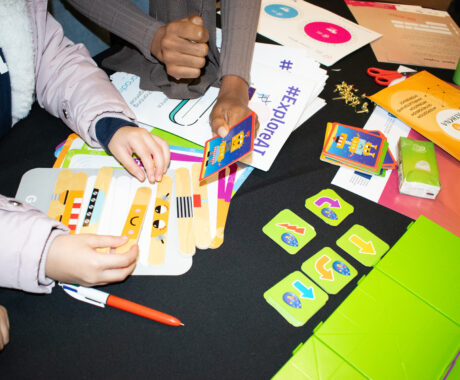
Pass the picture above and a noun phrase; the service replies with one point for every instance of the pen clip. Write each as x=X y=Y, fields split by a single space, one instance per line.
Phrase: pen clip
x=82 y=298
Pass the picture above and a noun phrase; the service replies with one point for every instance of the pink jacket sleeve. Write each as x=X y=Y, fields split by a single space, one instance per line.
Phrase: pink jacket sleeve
x=25 y=236
x=69 y=84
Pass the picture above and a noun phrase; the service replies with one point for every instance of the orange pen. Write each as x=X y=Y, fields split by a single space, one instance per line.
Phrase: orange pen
x=99 y=298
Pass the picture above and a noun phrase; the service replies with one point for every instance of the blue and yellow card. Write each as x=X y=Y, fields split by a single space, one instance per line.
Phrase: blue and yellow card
x=289 y=230
x=329 y=270
x=329 y=206
x=221 y=152
x=296 y=298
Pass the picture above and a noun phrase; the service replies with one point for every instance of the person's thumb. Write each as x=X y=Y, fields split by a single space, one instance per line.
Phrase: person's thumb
x=197 y=20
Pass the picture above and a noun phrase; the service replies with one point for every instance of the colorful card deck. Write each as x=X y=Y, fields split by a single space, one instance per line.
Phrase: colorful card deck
x=363 y=245
x=290 y=231
x=296 y=298
x=329 y=206
x=357 y=148
x=329 y=270
x=221 y=152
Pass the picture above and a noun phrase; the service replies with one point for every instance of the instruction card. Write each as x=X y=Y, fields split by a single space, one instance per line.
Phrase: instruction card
x=329 y=206
x=289 y=231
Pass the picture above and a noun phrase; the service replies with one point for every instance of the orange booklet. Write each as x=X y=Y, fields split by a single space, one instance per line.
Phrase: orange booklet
x=427 y=104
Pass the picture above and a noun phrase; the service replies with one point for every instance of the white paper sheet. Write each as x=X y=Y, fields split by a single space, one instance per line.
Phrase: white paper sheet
x=324 y=35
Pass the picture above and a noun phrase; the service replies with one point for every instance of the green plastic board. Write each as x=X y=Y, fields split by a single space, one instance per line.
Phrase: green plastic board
x=426 y=262
x=314 y=361
x=386 y=332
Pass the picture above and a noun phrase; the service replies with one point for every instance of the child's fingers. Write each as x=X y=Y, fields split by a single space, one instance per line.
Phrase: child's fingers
x=165 y=152
x=152 y=159
x=119 y=274
x=159 y=149
x=104 y=241
x=118 y=261
x=126 y=159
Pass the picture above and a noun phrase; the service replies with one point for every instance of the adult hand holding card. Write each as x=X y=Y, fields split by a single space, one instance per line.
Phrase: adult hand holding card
x=221 y=152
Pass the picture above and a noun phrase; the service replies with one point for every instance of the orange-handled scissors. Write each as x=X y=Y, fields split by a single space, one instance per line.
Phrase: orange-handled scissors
x=384 y=77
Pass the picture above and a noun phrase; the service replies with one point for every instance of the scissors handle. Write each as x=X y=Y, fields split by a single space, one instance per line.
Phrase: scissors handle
x=383 y=77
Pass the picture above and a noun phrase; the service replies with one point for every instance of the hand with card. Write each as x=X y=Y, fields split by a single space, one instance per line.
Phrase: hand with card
x=221 y=152
x=365 y=151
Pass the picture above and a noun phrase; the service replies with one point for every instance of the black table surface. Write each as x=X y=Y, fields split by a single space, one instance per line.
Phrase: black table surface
x=230 y=330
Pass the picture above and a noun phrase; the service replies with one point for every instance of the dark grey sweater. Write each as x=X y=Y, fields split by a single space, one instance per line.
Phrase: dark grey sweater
x=125 y=19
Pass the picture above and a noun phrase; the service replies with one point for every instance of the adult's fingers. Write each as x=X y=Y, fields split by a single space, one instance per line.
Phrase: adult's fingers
x=219 y=124
x=192 y=29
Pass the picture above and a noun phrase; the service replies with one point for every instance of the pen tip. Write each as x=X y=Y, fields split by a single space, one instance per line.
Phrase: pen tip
x=182 y=324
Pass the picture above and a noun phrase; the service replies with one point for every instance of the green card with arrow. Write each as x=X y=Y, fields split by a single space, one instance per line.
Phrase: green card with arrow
x=363 y=245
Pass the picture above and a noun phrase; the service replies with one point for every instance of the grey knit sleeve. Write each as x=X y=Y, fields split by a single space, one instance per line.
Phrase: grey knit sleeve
x=239 y=28
x=122 y=18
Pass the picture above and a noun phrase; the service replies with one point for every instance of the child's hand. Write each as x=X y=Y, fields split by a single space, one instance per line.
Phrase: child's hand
x=4 y=328
x=182 y=46
x=152 y=150
x=231 y=106
x=74 y=259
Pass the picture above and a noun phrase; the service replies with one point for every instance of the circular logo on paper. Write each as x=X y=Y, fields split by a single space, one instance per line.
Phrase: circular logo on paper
x=281 y=11
x=449 y=121
x=341 y=268
x=327 y=32
x=292 y=300
x=289 y=239
x=328 y=213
